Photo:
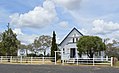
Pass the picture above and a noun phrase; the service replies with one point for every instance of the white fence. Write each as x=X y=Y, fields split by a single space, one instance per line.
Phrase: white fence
x=93 y=61
x=30 y=60
x=48 y=60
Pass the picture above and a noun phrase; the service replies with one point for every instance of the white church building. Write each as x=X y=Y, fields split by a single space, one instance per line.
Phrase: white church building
x=68 y=46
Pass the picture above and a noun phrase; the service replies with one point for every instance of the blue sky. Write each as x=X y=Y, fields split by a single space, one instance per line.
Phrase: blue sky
x=32 y=18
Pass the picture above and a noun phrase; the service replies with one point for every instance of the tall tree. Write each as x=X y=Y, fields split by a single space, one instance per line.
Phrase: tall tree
x=10 y=42
x=90 y=45
x=54 y=46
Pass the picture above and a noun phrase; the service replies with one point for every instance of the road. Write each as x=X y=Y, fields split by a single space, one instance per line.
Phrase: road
x=9 y=68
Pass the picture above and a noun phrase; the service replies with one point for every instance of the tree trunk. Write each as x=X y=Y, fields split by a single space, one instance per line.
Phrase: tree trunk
x=90 y=54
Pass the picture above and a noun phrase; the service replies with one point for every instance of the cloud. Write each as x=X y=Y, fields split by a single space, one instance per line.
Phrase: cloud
x=24 y=38
x=18 y=31
x=84 y=31
x=27 y=39
x=68 y=4
x=64 y=24
x=103 y=27
x=38 y=17
x=114 y=35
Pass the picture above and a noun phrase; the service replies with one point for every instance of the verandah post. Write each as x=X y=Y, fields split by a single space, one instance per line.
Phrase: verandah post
x=62 y=58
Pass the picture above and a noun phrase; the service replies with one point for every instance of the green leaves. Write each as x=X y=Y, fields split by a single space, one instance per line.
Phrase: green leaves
x=90 y=44
x=9 y=43
x=54 y=46
x=42 y=42
x=113 y=49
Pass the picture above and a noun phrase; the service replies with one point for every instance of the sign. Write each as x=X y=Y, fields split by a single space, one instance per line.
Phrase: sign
x=21 y=52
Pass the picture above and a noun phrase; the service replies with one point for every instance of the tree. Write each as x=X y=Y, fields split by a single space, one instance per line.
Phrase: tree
x=90 y=45
x=9 y=42
x=22 y=46
x=113 y=49
x=0 y=37
x=54 y=46
x=0 y=44
x=0 y=48
x=42 y=43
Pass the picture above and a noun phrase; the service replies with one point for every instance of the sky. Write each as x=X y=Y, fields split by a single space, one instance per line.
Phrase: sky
x=32 y=18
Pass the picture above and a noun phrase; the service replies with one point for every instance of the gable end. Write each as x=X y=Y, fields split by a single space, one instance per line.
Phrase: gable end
x=69 y=34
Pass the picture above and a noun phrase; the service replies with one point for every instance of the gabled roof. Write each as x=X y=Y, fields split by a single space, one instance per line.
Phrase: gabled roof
x=69 y=34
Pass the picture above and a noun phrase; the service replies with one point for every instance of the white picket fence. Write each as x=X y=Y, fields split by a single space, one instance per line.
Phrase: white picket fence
x=30 y=60
x=91 y=61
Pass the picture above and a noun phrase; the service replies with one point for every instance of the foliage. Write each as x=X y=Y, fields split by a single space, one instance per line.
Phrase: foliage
x=113 y=50
x=0 y=37
x=1 y=48
x=29 y=46
x=9 y=43
x=0 y=44
x=22 y=46
x=42 y=43
x=90 y=45
x=54 y=46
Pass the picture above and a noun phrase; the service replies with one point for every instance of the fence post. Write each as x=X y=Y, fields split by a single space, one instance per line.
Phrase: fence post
x=93 y=61
x=55 y=57
x=31 y=60
x=11 y=59
x=111 y=61
x=43 y=59
x=106 y=58
x=21 y=59
x=1 y=59
x=77 y=60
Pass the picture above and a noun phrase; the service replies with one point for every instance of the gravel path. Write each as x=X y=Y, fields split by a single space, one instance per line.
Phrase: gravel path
x=7 y=68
